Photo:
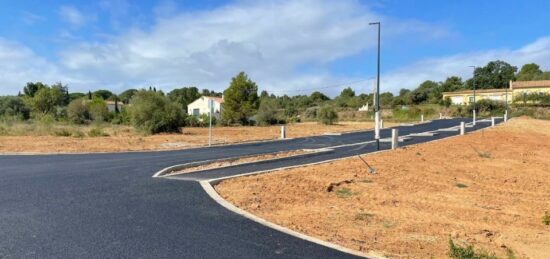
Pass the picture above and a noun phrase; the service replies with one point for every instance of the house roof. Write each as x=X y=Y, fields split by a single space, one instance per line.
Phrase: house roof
x=216 y=99
x=531 y=84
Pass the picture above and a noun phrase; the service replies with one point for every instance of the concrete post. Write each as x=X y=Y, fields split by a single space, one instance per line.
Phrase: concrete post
x=492 y=121
x=394 y=138
x=474 y=120
x=377 y=125
x=462 y=128
x=505 y=116
x=422 y=117
x=381 y=124
x=283 y=132
x=440 y=115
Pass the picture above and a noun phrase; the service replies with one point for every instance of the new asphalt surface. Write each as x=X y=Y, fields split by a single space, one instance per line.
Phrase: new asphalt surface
x=108 y=206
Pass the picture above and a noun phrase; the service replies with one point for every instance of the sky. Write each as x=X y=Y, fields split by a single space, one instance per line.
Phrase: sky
x=286 y=47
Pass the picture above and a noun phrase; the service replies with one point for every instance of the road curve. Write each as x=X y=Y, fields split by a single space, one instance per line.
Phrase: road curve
x=108 y=206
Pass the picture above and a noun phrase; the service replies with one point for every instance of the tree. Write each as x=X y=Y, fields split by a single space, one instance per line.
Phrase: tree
x=98 y=109
x=151 y=112
x=13 y=106
x=240 y=100
x=46 y=100
x=496 y=74
x=318 y=97
x=74 y=96
x=451 y=84
x=327 y=115
x=347 y=93
x=428 y=91
x=529 y=72
x=184 y=96
x=31 y=88
x=103 y=94
x=126 y=96
x=89 y=95
x=267 y=112
x=206 y=92
x=386 y=98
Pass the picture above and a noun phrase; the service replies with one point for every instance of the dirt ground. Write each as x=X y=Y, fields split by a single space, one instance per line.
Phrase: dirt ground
x=125 y=139
x=230 y=162
x=490 y=189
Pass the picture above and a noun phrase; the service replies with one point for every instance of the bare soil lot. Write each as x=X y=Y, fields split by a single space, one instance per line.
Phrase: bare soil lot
x=489 y=189
x=122 y=138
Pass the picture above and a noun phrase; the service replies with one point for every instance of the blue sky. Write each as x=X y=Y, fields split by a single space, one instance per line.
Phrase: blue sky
x=285 y=46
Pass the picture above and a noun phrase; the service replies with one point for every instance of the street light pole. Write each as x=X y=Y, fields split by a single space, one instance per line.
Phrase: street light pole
x=210 y=108
x=474 y=82
x=377 y=95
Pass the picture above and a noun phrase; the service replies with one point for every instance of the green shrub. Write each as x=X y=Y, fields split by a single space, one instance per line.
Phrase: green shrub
x=192 y=121
x=486 y=107
x=98 y=110
x=468 y=252
x=14 y=107
x=311 y=113
x=77 y=111
x=267 y=113
x=546 y=219
x=204 y=120
x=151 y=112
x=327 y=115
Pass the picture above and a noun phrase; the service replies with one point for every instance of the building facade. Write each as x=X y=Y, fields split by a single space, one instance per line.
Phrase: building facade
x=200 y=106
x=515 y=90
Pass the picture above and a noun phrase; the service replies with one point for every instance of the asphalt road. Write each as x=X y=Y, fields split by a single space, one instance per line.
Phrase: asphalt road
x=108 y=206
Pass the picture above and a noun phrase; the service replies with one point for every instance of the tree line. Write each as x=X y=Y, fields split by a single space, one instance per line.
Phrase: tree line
x=152 y=111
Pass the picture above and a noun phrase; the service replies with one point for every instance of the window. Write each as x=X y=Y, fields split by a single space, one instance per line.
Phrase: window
x=471 y=99
x=196 y=112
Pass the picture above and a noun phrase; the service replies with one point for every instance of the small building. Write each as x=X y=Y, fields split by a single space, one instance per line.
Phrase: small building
x=364 y=108
x=111 y=105
x=200 y=106
x=515 y=90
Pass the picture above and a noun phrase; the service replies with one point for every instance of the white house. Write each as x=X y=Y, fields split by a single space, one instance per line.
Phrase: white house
x=200 y=106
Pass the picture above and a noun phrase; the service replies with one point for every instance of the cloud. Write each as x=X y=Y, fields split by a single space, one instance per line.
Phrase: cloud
x=72 y=16
x=439 y=68
x=270 y=40
x=19 y=65
x=31 y=18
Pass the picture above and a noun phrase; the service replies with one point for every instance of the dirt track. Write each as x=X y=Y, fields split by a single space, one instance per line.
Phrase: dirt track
x=489 y=189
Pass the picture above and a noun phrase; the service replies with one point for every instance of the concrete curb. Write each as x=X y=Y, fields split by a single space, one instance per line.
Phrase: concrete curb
x=165 y=171
x=216 y=197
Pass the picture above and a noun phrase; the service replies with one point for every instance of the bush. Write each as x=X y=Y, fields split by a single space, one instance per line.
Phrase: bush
x=192 y=121
x=62 y=133
x=468 y=252
x=311 y=113
x=98 y=110
x=153 y=113
x=77 y=111
x=13 y=106
x=487 y=107
x=327 y=115
x=267 y=113
x=204 y=120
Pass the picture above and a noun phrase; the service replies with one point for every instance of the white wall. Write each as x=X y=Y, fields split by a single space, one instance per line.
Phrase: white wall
x=202 y=105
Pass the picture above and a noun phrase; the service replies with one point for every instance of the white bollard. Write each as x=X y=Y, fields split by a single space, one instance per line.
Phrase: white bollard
x=492 y=121
x=381 y=124
x=283 y=132
x=440 y=115
x=505 y=116
x=377 y=125
x=462 y=128
x=422 y=117
x=474 y=120
x=394 y=138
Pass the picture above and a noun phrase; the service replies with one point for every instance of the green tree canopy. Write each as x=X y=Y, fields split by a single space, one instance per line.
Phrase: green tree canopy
x=103 y=94
x=46 y=100
x=13 y=106
x=347 y=93
x=31 y=88
x=151 y=112
x=127 y=95
x=318 y=97
x=451 y=84
x=529 y=72
x=240 y=100
x=184 y=96
x=496 y=74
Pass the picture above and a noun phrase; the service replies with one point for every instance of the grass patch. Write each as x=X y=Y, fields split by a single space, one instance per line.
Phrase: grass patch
x=388 y=224
x=484 y=154
x=62 y=132
x=363 y=216
x=344 y=193
x=467 y=252
x=546 y=219
x=461 y=185
x=97 y=132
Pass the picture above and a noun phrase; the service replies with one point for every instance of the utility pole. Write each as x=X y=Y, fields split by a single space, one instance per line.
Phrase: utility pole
x=474 y=82
x=377 y=95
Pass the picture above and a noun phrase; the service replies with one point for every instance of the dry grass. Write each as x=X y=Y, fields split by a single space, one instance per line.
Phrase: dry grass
x=420 y=197
x=46 y=138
